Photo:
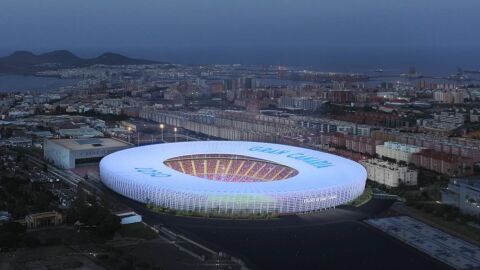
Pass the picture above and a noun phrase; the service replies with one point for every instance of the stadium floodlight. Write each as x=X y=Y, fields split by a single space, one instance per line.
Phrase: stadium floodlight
x=162 y=126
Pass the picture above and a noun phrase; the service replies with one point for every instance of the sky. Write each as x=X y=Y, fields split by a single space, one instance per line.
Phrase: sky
x=297 y=31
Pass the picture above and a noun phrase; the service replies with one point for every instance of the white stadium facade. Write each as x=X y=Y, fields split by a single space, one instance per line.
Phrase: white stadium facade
x=231 y=177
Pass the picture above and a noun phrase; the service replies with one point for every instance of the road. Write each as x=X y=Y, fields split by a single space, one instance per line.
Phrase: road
x=69 y=177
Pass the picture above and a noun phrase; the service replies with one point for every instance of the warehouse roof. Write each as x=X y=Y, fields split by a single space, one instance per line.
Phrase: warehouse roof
x=90 y=143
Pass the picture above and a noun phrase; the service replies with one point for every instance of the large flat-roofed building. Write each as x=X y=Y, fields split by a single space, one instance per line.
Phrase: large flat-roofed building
x=83 y=132
x=67 y=153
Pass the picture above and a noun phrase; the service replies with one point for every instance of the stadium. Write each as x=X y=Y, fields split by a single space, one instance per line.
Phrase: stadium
x=231 y=177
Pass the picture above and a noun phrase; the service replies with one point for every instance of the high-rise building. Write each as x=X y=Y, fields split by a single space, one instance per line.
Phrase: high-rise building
x=449 y=96
x=248 y=82
x=229 y=84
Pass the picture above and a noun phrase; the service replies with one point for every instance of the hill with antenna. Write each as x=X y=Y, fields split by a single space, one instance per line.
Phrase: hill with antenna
x=25 y=62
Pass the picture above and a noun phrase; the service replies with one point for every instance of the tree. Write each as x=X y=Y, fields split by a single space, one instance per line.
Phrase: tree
x=109 y=225
x=90 y=212
x=10 y=234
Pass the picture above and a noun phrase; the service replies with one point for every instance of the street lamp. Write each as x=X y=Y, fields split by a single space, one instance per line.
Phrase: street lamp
x=161 y=128
x=129 y=131
x=175 y=130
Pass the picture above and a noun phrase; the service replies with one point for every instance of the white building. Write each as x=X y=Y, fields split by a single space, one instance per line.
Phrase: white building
x=67 y=153
x=390 y=174
x=397 y=151
x=475 y=115
x=450 y=96
x=299 y=103
x=129 y=217
x=450 y=117
x=443 y=121
x=113 y=102
x=364 y=130
x=389 y=95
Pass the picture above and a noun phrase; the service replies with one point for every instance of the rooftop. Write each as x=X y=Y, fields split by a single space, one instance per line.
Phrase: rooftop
x=80 y=132
x=83 y=144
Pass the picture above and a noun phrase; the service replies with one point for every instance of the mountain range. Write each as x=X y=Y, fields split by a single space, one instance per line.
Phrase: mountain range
x=25 y=62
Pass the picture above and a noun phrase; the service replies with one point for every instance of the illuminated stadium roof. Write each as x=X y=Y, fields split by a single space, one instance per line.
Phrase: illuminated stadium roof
x=230 y=168
x=231 y=176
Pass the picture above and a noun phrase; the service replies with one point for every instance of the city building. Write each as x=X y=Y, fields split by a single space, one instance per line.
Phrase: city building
x=341 y=96
x=463 y=193
x=463 y=147
x=227 y=124
x=299 y=103
x=474 y=115
x=18 y=141
x=456 y=96
x=325 y=125
x=363 y=130
x=113 y=102
x=362 y=144
x=44 y=219
x=68 y=153
x=444 y=121
x=388 y=95
x=83 y=132
x=379 y=119
x=390 y=174
x=397 y=151
x=440 y=162
x=248 y=82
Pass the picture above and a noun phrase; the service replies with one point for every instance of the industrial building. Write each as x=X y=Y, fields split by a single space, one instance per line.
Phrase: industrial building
x=68 y=153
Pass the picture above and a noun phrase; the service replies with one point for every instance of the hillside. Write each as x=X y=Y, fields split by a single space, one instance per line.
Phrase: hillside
x=24 y=62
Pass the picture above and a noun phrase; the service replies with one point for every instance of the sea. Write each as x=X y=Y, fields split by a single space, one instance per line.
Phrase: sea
x=430 y=62
x=427 y=61
x=21 y=83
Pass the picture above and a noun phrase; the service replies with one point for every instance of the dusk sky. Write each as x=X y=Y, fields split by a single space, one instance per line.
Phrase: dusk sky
x=155 y=28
